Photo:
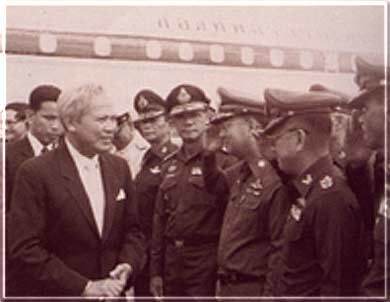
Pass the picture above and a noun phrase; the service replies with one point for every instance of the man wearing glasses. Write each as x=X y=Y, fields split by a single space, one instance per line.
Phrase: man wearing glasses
x=322 y=250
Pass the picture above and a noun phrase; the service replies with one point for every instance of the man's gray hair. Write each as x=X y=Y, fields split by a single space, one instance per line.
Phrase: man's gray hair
x=75 y=102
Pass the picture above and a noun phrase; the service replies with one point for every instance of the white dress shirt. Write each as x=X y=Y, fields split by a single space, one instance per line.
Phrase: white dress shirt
x=133 y=153
x=91 y=178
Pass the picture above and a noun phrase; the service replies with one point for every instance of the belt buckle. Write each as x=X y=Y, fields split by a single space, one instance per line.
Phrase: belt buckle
x=179 y=243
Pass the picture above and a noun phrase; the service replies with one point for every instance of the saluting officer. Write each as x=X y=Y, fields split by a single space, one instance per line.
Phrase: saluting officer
x=187 y=219
x=153 y=125
x=258 y=203
x=322 y=250
x=371 y=173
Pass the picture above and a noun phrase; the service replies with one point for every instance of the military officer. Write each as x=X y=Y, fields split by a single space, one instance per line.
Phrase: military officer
x=323 y=235
x=258 y=203
x=153 y=125
x=187 y=219
x=371 y=173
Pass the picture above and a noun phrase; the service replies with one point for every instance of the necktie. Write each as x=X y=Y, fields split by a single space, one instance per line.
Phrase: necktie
x=44 y=149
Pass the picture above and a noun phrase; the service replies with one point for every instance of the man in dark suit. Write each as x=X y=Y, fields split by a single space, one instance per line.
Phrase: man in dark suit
x=45 y=128
x=72 y=228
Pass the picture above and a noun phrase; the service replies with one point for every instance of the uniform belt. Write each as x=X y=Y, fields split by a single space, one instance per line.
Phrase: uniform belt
x=229 y=278
x=192 y=242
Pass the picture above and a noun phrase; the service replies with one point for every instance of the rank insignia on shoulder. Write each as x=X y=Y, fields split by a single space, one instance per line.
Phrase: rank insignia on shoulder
x=307 y=180
x=296 y=212
x=155 y=170
x=172 y=168
x=196 y=171
x=326 y=182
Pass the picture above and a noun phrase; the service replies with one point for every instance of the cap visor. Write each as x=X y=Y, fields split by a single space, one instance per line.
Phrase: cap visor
x=274 y=124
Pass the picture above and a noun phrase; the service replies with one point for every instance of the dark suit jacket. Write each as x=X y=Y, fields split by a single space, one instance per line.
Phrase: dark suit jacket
x=15 y=154
x=51 y=231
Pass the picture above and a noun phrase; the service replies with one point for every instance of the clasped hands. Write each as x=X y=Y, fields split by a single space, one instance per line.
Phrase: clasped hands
x=112 y=286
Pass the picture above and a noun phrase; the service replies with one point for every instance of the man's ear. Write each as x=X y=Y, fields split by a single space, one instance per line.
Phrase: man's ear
x=301 y=139
x=69 y=124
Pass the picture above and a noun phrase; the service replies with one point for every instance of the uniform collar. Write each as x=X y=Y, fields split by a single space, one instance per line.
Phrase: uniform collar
x=317 y=172
x=261 y=169
x=164 y=150
x=195 y=152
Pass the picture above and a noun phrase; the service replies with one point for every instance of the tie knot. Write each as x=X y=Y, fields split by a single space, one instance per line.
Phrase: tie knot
x=44 y=149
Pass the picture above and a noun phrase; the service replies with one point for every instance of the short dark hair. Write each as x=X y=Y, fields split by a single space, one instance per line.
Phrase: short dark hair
x=20 y=109
x=41 y=94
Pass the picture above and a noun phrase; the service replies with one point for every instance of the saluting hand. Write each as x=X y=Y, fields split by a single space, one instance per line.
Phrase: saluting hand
x=212 y=140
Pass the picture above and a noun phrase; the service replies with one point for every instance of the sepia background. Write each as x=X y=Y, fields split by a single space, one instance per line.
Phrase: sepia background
x=209 y=46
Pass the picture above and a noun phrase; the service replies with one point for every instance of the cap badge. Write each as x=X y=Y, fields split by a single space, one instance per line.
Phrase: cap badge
x=164 y=149
x=296 y=212
x=155 y=170
x=183 y=96
x=143 y=103
x=307 y=180
x=196 y=171
x=326 y=182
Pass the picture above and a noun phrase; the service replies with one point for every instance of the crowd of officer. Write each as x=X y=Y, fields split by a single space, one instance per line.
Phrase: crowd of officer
x=282 y=196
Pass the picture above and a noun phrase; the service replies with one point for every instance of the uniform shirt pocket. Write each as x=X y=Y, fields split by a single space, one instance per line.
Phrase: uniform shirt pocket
x=202 y=196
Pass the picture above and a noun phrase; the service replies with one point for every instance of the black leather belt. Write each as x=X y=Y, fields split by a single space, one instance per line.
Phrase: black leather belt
x=231 y=278
x=192 y=242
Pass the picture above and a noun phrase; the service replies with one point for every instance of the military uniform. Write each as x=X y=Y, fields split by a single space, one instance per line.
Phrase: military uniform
x=324 y=234
x=187 y=224
x=149 y=105
x=258 y=204
x=251 y=236
x=374 y=282
x=367 y=180
x=322 y=256
x=187 y=219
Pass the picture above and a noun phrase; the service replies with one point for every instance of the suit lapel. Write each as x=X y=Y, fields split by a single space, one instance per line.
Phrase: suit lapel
x=111 y=187
x=26 y=150
x=74 y=185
